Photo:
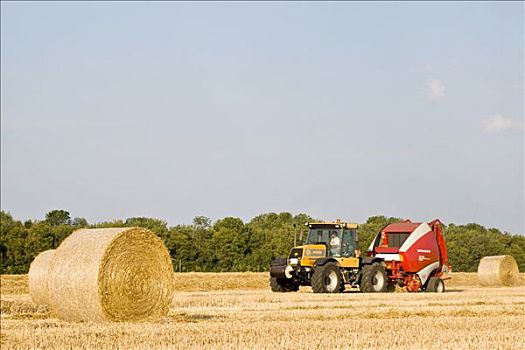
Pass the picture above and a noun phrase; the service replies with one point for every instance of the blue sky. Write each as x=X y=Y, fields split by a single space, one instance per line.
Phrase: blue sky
x=339 y=110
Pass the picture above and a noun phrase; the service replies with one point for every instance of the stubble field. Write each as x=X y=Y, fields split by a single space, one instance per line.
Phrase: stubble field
x=237 y=311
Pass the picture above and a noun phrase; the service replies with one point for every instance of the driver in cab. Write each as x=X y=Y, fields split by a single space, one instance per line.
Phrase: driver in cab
x=335 y=244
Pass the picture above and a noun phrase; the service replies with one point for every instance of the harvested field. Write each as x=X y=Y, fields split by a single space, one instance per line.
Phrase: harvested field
x=237 y=311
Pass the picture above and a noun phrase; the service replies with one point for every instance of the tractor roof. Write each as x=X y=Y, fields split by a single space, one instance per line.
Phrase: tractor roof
x=328 y=224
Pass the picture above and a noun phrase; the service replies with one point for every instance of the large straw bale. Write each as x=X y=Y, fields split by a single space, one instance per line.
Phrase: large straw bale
x=111 y=274
x=38 y=277
x=497 y=271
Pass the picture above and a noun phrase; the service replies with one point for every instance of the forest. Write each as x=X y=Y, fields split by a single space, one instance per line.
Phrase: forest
x=230 y=244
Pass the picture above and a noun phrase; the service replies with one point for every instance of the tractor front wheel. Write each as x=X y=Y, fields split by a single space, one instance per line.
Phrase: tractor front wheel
x=374 y=279
x=327 y=279
x=281 y=285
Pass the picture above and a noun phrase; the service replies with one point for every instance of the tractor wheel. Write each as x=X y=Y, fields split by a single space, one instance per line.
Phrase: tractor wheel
x=435 y=285
x=327 y=279
x=281 y=285
x=374 y=279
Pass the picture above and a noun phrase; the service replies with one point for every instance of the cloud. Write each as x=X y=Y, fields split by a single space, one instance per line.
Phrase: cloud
x=434 y=89
x=498 y=123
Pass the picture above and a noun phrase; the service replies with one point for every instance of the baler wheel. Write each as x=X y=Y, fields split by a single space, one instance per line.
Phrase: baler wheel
x=327 y=279
x=281 y=285
x=374 y=279
x=435 y=285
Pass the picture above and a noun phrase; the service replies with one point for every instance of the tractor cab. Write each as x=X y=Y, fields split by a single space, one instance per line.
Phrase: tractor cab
x=339 y=238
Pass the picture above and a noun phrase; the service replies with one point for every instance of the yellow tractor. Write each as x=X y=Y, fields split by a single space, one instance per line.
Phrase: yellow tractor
x=328 y=260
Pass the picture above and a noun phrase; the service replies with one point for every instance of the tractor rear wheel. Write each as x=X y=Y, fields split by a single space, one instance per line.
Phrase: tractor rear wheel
x=374 y=279
x=281 y=285
x=327 y=279
x=435 y=285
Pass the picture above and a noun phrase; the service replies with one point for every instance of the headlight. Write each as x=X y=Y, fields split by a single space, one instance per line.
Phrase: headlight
x=294 y=261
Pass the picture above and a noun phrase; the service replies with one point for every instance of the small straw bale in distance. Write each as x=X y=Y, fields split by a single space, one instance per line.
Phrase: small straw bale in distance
x=111 y=274
x=38 y=277
x=497 y=271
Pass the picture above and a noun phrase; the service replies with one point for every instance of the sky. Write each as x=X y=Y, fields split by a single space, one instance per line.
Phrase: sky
x=339 y=110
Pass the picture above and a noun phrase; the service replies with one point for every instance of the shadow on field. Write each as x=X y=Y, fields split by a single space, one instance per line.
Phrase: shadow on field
x=399 y=290
x=190 y=318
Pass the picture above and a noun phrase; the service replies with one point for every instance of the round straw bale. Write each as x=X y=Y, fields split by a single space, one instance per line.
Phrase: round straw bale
x=111 y=274
x=38 y=275
x=496 y=271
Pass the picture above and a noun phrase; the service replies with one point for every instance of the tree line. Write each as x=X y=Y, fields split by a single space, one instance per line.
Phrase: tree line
x=230 y=244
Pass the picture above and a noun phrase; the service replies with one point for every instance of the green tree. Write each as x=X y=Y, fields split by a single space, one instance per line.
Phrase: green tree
x=272 y=236
x=202 y=242
x=180 y=243
x=104 y=224
x=79 y=222
x=158 y=226
x=58 y=217
x=231 y=243
x=516 y=248
x=14 y=258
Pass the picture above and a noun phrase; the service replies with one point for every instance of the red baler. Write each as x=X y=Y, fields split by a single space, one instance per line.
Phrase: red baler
x=415 y=255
